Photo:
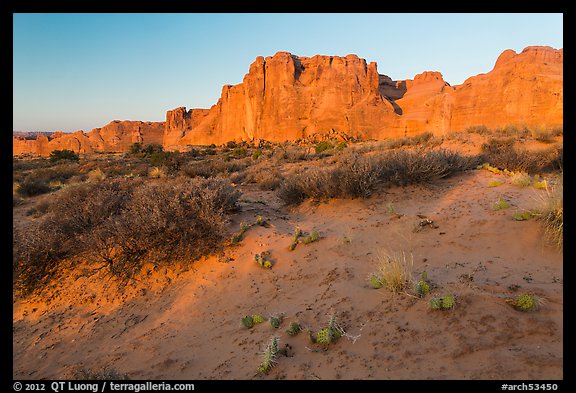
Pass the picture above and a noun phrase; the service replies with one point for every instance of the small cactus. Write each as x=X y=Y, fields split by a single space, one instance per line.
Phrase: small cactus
x=267 y=265
x=275 y=321
x=257 y=318
x=323 y=336
x=259 y=220
x=446 y=302
x=422 y=288
x=247 y=321
x=270 y=355
x=294 y=329
x=314 y=236
x=527 y=302
x=294 y=243
x=260 y=260
x=375 y=281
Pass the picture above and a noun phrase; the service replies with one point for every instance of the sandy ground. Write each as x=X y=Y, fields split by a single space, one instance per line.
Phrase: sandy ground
x=186 y=324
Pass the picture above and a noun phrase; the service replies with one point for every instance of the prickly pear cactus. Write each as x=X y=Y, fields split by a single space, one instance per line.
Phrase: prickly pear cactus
x=375 y=281
x=248 y=321
x=448 y=302
x=323 y=336
x=293 y=329
x=526 y=303
x=275 y=322
x=436 y=303
x=257 y=318
x=270 y=354
x=267 y=265
x=422 y=288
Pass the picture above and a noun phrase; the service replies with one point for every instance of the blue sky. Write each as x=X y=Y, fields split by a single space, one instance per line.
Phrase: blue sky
x=81 y=71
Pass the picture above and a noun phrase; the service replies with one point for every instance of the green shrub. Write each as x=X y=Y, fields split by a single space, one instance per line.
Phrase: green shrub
x=58 y=155
x=501 y=204
x=323 y=146
x=33 y=187
x=445 y=302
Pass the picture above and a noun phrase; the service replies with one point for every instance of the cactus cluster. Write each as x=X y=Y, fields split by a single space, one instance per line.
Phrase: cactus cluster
x=248 y=321
x=445 y=302
x=297 y=233
x=294 y=329
x=262 y=261
x=527 y=302
x=257 y=318
x=243 y=228
x=275 y=321
x=314 y=236
x=329 y=334
x=422 y=287
x=269 y=356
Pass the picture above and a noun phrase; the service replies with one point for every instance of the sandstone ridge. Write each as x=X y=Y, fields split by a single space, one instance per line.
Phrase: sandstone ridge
x=286 y=97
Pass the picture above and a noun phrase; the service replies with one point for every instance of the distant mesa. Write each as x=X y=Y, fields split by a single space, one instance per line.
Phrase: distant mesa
x=285 y=97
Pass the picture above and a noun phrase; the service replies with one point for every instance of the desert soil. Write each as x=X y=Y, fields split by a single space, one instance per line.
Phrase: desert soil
x=186 y=324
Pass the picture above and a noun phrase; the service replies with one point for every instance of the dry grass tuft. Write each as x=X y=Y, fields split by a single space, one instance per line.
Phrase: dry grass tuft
x=395 y=270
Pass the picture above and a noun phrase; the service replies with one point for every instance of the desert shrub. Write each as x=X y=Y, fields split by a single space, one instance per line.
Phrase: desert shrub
x=511 y=131
x=267 y=179
x=135 y=148
x=256 y=154
x=96 y=175
x=415 y=140
x=356 y=175
x=521 y=179
x=478 y=129
x=106 y=374
x=214 y=167
x=323 y=146
x=56 y=173
x=33 y=187
x=551 y=213
x=395 y=270
x=119 y=226
x=156 y=172
x=502 y=154
x=542 y=135
x=58 y=155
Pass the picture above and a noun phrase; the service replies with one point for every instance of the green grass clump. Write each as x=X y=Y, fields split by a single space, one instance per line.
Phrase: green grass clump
x=522 y=216
x=314 y=236
x=445 y=302
x=495 y=183
x=501 y=204
x=297 y=233
x=422 y=287
x=257 y=318
x=490 y=168
x=294 y=329
x=269 y=357
x=248 y=321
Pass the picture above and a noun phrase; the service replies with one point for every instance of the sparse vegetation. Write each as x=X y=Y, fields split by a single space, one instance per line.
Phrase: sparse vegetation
x=329 y=334
x=395 y=270
x=118 y=225
x=551 y=213
x=422 y=287
x=106 y=374
x=522 y=216
x=521 y=179
x=293 y=329
x=314 y=236
x=262 y=260
x=275 y=321
x=375 y=281
x=500 y=205
x=526 y=302
x=247 y=321
x=269 y=357
x=495 y=183
x=445 y=302
x=65 y=154
x=297 y=234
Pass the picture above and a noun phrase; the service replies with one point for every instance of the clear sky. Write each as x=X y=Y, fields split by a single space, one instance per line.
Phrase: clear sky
x=81 y=71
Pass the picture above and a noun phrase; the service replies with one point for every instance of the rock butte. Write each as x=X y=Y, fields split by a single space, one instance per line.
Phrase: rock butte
x=286 y=97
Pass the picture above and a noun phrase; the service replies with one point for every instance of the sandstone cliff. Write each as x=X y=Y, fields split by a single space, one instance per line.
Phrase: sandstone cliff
x=286 y=97
x=117 y=136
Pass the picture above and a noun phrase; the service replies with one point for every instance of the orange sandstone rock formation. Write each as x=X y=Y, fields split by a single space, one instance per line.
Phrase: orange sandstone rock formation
x=117 y=136
x=286 y=97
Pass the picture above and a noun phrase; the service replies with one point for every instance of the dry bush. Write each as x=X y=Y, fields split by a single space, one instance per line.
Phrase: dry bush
x=478 y=129
x=502 y=154
x=215 y=167
x=120 y=224
x=356 y=175
x=395 y=270
x=268 y=179
x=551 y=213
x=96 y=175
x=33 y=187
